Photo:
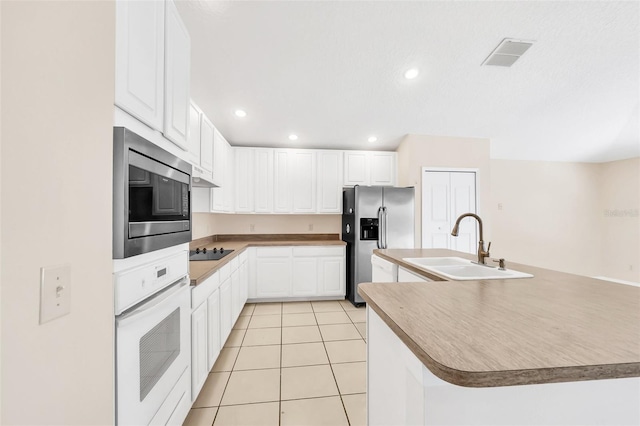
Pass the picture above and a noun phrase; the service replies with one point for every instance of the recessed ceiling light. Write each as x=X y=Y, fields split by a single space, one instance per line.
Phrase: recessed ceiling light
x=411 y=74
x=240 y=113
x=372 y=139
x=293 y=137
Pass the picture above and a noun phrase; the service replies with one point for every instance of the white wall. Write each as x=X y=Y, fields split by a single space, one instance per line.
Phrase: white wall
x=205 y=224
x=550 y=215
x=620 y=205
x=57 y=116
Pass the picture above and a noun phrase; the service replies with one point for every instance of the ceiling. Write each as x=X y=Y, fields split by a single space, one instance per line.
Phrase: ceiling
x=332 y=72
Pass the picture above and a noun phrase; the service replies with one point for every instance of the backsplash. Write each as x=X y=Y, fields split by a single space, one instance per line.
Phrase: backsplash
x=205 y=224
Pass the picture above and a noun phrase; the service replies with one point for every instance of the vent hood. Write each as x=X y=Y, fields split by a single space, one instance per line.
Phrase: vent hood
x=201 y=178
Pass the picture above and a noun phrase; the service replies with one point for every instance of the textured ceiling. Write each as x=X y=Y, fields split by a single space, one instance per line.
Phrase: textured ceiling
x=332 y=72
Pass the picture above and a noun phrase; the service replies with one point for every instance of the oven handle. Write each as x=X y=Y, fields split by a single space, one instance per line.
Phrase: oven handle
x=143 y=309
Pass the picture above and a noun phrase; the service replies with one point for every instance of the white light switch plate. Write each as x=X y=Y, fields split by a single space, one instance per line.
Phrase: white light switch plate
x=55 y=292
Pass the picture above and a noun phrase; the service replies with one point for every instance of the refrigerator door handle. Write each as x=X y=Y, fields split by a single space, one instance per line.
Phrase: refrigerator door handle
x=384 y=221
x=380 y=229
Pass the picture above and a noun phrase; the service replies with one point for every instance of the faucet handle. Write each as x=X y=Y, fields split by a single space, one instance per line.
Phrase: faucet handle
x=488 y=248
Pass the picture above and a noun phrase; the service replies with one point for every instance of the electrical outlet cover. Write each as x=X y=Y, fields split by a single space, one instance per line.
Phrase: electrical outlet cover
x=55 y=292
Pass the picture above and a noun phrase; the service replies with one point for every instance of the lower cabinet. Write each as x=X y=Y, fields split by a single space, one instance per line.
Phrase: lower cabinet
x=213 y=328
x=225 y=309
x=297 y=272
x=199 y=363
x=405 y=276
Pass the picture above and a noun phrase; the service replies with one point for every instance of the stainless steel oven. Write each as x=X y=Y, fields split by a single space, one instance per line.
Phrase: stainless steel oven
x=151 y=196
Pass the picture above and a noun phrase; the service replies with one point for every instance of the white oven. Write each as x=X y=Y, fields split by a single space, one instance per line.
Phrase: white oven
x=153 y=342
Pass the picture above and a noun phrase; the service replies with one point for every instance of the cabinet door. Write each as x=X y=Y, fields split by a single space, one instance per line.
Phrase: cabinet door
x=235 y=296
x=303 y=180
x=383 y=168
x=206 y=144
x=263 y=180
x=213 y=328
x=329 y=181
x=244 y=180
x=332 y=276
x=194 y=134
x=140 y=60
x=199 y=364
x=217 y=194
x=281 y=181
x=225 y=310
x=244 y=283
x=305 y=276
x=177 y=56
x=229 y=181
x=273 y=277
x=356 y=168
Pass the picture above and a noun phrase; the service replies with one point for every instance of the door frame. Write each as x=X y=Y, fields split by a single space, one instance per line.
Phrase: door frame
x=449 y=170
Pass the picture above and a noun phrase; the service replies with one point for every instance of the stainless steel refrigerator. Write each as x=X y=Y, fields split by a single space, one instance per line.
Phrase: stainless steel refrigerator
x=374 y=217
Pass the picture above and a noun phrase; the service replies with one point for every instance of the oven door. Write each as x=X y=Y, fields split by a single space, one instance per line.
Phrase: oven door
x=153 y=343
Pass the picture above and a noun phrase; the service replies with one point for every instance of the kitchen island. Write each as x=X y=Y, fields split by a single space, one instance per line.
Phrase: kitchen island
x=553 y=349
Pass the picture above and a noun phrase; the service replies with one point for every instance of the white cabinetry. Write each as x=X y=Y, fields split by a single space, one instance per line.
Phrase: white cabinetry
x=213 y=328
x=303 y=180
x=194 y=134
x=273 y=272
x=140 y=60
x=405 y=276
x=222 y=197
x=199 y=364
x=177 y=57
x=200 y=142
x=226 y=307
x=329 y=181
x=297 y=272
x=153 y=57
x=263 y=180
x=369 y=168
x=281 y=181
x=206 y=145
x=244 y=182
x=383 y=271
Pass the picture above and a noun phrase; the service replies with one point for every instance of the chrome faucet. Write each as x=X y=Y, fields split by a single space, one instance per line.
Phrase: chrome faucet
x=482 y=254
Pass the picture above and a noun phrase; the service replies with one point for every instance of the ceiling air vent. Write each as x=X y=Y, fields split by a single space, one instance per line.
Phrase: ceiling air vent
x=507 y=52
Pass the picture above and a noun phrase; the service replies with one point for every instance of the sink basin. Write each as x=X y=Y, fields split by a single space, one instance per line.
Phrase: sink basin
x=459 y=269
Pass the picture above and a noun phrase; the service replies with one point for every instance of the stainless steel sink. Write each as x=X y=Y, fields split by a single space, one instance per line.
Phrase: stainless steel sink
x=459 y=269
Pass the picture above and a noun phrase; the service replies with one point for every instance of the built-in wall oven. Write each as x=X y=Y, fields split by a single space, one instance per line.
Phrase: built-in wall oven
x=151 y=196
x=153 y=339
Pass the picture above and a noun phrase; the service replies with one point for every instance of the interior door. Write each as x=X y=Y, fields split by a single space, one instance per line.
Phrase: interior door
x=445 y=196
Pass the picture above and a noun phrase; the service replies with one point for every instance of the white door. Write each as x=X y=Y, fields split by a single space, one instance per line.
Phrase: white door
x=332 y=276
x=206 y=145
x=199 y=362
x=213 y=328
x=305 y=277
x=194 y=134
x=281 y=181
x=303 y=180
x=329 y=180
x=244 y=180
x=445 y=196
x=140 y=60
x=356 y=168
x=177 y=77
x=263 y=180
x=383 y=168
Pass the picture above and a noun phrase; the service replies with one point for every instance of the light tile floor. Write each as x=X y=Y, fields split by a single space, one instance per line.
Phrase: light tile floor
x=291 y=363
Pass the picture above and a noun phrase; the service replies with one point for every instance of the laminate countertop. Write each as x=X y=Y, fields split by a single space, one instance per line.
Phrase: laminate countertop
x=200 y=270
x=554 y=327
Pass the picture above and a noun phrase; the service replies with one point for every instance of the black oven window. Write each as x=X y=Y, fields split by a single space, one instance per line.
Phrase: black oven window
x=158 y=349
x=154 y=198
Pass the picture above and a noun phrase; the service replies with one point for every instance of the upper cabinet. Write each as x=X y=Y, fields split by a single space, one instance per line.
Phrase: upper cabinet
x=369 y=168
x=194 y=134
x=177 y=60
x=244 y=195
x=153 y=51
x=140 y=60
x=329 y=181
x=206 y=144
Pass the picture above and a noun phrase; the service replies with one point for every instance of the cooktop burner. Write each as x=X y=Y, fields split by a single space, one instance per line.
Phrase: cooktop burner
x=208 y=254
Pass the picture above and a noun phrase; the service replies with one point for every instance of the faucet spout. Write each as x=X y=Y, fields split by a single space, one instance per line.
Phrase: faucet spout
x=482 y=253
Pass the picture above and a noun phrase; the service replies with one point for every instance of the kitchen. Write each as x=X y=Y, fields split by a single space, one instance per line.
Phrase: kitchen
x=58 y=86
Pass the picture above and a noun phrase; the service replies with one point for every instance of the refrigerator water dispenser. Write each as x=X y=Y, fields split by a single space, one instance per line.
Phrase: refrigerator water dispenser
x=368 y=228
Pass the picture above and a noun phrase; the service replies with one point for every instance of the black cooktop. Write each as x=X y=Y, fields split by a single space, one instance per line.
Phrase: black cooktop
x=208 y=254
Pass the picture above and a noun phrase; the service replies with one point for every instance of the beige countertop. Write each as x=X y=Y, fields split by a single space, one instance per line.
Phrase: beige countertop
x=203 y=269
x=554 y=327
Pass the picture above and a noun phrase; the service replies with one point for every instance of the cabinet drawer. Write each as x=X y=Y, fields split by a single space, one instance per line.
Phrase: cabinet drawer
x=316 y=251
x=273 y=252
x=200 y=292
